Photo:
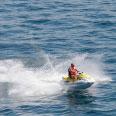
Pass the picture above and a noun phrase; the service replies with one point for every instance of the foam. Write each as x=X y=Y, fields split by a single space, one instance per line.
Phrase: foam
x=46 y=79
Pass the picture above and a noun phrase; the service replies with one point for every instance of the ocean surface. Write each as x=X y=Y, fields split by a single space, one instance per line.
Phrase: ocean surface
x=38 y=41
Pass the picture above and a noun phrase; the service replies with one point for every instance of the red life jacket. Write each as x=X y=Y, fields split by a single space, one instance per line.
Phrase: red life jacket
x=73 y=71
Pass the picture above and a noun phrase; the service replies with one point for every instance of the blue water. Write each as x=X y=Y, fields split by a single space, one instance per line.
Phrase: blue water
x=38 y=41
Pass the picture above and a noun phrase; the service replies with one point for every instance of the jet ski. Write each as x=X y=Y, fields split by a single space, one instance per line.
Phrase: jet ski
x=83 y=81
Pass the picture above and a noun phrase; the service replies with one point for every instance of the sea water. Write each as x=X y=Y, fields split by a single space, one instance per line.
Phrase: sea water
x=38 y=41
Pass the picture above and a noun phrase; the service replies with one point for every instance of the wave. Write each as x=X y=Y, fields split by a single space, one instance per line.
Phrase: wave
x=46 y=79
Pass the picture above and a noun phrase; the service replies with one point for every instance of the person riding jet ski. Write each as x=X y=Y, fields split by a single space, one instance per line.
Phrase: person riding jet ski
x=73 y=72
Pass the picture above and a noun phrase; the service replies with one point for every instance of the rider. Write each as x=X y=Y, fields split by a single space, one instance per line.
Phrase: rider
x=73 y=72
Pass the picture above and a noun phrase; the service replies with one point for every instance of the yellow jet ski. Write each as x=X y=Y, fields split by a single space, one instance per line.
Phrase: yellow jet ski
x=82 y=82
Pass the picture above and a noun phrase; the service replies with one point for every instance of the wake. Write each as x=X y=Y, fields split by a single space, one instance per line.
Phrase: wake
x=46 y=79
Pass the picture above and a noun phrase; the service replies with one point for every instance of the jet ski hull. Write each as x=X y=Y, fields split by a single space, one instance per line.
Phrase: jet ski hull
x=83 y=81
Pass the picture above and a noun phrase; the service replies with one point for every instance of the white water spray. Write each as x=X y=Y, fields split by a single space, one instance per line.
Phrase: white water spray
x=46 y=80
